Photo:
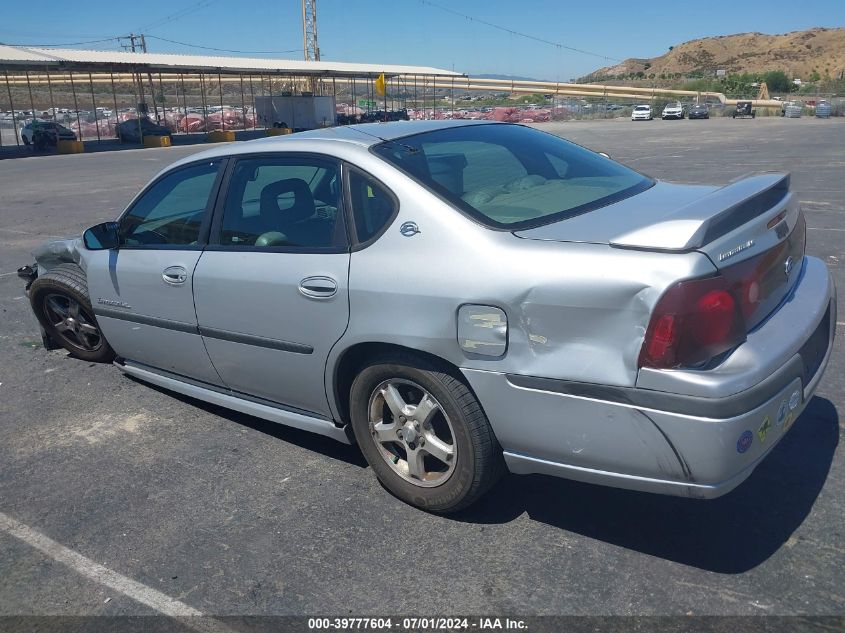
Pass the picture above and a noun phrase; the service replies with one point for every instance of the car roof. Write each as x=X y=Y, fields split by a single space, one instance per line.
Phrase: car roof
x=372 y=133
x=362 y=136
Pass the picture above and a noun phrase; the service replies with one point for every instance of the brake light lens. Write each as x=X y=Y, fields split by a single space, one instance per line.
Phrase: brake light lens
x=693 y=322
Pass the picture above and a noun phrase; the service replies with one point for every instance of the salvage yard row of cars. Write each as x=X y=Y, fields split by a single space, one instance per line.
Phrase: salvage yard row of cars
x=64 y=124
x=605 y=326
x=672 y=110
x=743 y=109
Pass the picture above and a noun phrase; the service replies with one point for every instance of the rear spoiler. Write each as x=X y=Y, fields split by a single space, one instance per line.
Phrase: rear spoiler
x=711 y=216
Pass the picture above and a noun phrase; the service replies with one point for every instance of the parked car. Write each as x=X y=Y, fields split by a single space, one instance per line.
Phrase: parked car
x=53 y=131
x=642 y=113
x=699 y=111
x=458 y=298
x=673 y=111
x=130 y=131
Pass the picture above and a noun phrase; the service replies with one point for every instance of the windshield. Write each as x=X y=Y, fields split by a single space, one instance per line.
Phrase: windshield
x=511 y=176
x=642 y=108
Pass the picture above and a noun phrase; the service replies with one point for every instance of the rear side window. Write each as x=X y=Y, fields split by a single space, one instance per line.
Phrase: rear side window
x=372 y=205
x=512 y=176
x=171 y=211
x=287 y=202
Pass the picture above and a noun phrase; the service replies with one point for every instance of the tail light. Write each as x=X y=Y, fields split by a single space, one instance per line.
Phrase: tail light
x=693 y=322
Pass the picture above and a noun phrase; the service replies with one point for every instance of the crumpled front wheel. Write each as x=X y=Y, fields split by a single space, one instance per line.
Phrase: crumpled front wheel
x=60 y=301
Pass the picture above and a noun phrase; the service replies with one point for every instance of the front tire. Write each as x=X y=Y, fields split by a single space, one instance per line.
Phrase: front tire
x=61 y=303
x=424 y=433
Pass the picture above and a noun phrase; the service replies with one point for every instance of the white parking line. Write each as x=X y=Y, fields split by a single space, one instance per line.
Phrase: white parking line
x=135 y=590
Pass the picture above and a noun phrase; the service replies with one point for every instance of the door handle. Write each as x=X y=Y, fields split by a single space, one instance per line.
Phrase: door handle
x=318 y=287
x=174 y=275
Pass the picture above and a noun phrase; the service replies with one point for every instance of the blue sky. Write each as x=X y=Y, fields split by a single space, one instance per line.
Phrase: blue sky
x=418 y=32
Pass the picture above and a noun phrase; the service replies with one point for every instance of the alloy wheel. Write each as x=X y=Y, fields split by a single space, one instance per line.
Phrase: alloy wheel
x=72 y=322
x=412 y=432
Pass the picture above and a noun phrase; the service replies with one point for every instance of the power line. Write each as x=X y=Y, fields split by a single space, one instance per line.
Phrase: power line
x=517 y=33
x=222 y=50
x=110 y=39
x=177 y=15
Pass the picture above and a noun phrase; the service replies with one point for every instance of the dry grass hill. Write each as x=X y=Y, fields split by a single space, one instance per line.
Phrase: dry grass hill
x=799 y=54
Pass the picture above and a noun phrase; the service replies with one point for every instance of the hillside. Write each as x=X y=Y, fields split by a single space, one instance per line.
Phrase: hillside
x=799 y=54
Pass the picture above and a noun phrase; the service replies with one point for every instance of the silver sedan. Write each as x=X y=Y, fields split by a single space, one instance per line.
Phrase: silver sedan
x=461 y=299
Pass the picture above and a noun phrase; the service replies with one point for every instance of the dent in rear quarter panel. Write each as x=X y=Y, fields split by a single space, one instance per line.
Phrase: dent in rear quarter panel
x=575 y=311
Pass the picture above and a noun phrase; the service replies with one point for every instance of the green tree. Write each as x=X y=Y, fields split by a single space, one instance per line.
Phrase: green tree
x=778 y=81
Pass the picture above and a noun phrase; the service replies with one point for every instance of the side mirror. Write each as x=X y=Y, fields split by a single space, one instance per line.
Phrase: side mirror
x=605 y=154
x=102 y=237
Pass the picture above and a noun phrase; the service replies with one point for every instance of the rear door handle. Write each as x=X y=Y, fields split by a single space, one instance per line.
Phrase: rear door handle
x=174 y=275
x=318 y=287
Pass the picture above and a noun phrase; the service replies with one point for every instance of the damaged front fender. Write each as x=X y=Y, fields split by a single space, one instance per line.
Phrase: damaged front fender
x=65 y=251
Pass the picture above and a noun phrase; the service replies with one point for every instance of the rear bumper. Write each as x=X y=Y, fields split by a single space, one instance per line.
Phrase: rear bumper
x=651 y=441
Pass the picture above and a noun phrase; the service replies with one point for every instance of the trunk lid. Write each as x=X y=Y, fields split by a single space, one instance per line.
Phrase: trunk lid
x=751 y=229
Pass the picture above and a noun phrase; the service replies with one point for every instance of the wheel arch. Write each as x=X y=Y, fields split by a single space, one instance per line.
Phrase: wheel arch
x=345 y=367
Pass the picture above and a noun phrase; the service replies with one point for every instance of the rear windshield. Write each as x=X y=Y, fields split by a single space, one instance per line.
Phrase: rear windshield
x=512 y=176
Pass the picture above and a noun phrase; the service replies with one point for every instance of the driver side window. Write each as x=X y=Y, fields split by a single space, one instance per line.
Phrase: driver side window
x=171 y=212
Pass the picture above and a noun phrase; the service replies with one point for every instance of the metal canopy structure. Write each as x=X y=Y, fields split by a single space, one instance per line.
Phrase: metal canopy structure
x=17 y=58
x=96 y=93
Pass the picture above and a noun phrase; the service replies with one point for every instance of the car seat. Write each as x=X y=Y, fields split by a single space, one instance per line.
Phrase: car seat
x=294 y=219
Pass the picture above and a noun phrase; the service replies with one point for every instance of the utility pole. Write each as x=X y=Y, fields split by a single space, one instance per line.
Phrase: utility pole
x=150 y=79
x=141 y=107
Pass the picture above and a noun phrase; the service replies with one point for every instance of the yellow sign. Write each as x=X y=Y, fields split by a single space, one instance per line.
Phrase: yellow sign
x=380 y=85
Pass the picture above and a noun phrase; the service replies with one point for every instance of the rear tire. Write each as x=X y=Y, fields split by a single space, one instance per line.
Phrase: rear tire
x=61 y=303
x=424 y=433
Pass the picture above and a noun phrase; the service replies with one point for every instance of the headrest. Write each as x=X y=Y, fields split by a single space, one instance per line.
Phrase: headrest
x=303 y=200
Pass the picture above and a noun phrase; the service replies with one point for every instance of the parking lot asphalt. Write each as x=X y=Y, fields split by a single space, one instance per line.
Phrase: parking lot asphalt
x=229 y=514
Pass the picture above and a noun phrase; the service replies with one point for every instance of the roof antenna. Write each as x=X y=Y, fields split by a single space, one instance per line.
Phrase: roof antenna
x=408 y=148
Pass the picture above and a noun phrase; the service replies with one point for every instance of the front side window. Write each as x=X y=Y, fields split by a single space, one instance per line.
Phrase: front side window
x=512 y=176
x=171 y=211
x=282 y=202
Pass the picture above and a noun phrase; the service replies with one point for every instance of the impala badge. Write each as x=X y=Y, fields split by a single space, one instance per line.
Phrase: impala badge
x=113 y=303
x=736 y=249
